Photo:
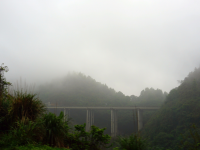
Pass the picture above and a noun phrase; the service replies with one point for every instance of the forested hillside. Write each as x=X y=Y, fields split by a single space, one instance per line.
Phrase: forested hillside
x=149 y=97
x=180 y=110
x=77 y=89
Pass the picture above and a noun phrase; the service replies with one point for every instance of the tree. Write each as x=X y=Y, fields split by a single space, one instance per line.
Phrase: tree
x=4 y=101
x=3 y=82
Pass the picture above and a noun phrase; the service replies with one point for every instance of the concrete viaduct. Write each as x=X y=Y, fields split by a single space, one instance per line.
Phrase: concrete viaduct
x=90 y=115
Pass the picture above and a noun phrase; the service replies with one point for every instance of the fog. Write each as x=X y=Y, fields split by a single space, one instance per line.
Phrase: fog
x=128 y=45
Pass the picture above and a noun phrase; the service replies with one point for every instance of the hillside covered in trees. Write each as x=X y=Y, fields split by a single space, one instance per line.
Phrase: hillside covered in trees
x=77 y=89
x=171 y=125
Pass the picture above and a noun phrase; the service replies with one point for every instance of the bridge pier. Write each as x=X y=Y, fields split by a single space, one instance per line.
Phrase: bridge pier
x=114 y=123
x=114 y=128
x=140 y=119
x=89 y=119
x=66 y=114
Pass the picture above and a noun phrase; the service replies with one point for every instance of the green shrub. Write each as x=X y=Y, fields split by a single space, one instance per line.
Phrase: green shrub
x=24 y=132
x=56 y=129
x=25 y=105
x=19 y=107
x=132 y=142
x=92 y=140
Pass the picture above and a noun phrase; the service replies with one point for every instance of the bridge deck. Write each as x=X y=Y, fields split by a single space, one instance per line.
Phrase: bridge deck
x=116 y=108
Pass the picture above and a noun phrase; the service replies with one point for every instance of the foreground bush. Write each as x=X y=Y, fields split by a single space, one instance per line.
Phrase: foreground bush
x=132 y=142
x=26 y=106
x=92 y=140
x=19 y=107
x=56 y=129
x=20 y=123
x=24 y=132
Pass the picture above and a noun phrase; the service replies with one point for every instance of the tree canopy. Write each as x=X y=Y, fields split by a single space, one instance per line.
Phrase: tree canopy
x=178 y=113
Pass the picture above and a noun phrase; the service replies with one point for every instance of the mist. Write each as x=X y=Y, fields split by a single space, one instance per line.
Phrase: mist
x=127 y=45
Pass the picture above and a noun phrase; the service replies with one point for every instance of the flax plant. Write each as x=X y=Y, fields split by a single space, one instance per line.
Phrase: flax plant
x=22 y=119
x=25 y=106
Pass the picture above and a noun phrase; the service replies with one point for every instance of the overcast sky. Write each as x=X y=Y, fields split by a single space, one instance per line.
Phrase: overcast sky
x=127 y=44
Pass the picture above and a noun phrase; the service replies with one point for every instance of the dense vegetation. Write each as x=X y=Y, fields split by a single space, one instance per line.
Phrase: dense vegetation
x=26 y=124
x=171 y=126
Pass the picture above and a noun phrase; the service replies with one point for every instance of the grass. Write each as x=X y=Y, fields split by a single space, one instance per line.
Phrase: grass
x=33 y=147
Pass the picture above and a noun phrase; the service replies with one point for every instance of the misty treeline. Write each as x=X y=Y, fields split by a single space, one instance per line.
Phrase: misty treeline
x=176 y=125
x=76 y=89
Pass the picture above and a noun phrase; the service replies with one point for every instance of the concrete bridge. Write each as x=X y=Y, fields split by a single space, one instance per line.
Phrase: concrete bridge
x=90 y=115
